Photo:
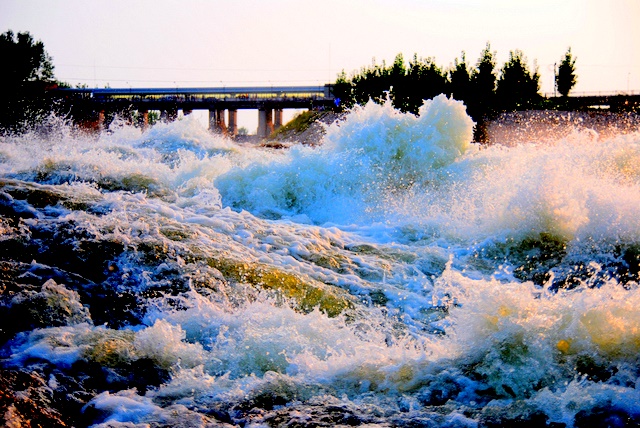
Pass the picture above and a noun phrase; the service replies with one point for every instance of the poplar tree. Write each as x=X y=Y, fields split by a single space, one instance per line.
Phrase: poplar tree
x=460 y=80
x=426 y=79
x=518 y=86
x=400 y=89
x=481 y=100
x=566 y=77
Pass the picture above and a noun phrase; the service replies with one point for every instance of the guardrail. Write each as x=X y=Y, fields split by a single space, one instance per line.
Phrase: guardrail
x=593 y=94
x=213 y=91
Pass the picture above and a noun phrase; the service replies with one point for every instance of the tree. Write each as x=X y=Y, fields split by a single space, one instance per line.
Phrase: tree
x=400 y=89
x=480 y=97
x=29 y=62
x=460 y=80
x=426 y=80
x=566 y=76
x=342 y=91
x=517 y=86
x=27 y=71
x=153 y=117
x=370 y=83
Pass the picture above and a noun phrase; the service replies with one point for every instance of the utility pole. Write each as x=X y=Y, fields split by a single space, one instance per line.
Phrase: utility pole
x=555 y=80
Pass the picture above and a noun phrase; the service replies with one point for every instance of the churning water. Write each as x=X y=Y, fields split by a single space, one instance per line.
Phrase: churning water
x=395 y=275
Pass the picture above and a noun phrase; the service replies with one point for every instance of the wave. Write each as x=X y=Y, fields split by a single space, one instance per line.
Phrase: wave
x=396 y=273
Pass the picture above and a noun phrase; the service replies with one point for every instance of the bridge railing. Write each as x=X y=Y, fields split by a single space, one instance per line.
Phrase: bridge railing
x=254 y=91
x=594 y=94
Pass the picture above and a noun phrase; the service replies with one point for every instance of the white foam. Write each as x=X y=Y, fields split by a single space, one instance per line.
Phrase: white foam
x=401 y=213
x=124 y=406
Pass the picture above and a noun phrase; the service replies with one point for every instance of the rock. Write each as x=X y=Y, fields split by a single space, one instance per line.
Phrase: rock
x=25 y=401
x=52 y=305
x=606 y=417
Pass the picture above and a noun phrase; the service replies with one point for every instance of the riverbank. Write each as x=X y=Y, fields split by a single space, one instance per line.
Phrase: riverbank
x=305 y=128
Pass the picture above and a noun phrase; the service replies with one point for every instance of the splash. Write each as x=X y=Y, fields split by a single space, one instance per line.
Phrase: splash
x=373 y=153
x=394 y=274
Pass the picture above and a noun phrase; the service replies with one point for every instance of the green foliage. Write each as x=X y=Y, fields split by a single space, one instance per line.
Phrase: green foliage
x=481 y=100
x=426 y=81
x=517 y=86
x=479 y=87
x=27 y=72
x=343 y=92
x=566 y=77
x=460 y=79
x=400 y=87
x=24 y=59
x=154 y=117
x=298 y=124
x=372 y=83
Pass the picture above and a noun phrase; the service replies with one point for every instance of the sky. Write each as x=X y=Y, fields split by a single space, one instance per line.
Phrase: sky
x=186 y=43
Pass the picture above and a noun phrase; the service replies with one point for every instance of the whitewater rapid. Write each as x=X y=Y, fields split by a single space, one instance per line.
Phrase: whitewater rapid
x=396 y=274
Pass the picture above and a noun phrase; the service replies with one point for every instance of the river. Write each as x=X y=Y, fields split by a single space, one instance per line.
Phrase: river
x=394 y=275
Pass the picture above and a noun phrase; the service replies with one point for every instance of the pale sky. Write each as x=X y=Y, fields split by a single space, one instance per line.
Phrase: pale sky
x=166 y=43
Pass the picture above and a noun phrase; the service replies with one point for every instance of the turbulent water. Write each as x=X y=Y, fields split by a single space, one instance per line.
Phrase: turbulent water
x=397 y=274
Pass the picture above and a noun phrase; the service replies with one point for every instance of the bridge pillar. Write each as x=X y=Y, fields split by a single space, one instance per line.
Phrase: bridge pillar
x=277 y=118
x=232 y=128
x=101 y=120
x=143 y=119
x=213 y=121
x=90 y=120
x=265 y=122
x=222 y=126
x=262 y=124
x=216 y=121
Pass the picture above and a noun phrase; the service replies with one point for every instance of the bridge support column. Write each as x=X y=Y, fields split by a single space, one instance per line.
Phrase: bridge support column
x=262 y=124
x=265 y=122
x=216 y=122
x=143 y=119
x=232 y=128
x=222 y=126
x=213 y=121
x=101 y=120
x=277 y=118
x=90 y=120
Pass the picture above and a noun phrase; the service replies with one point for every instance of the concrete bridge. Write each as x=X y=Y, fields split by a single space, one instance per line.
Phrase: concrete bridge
x=93 y=107
x=95 y=104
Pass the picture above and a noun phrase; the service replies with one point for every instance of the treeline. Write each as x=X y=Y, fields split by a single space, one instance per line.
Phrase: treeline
x=485 y=90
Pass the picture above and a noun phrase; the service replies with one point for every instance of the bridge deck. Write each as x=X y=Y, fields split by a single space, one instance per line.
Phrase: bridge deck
x=228 y=91
x=240 y=97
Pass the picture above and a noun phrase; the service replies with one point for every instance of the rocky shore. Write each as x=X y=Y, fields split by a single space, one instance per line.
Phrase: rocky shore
x=306 y=128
